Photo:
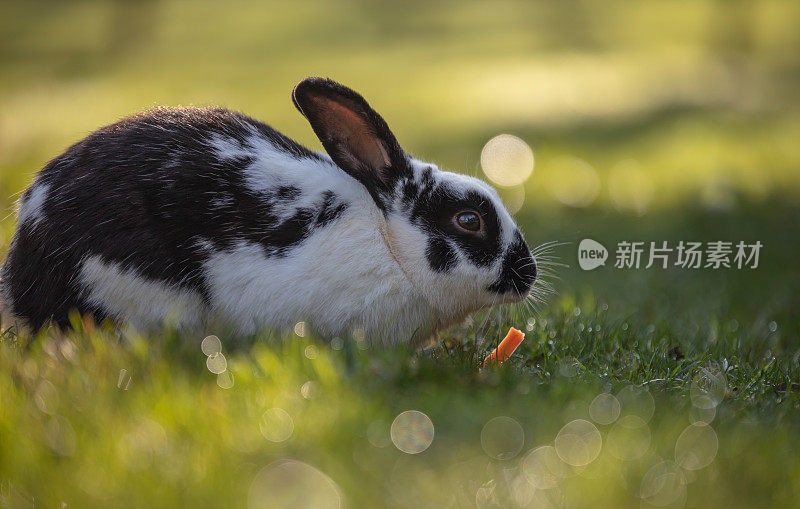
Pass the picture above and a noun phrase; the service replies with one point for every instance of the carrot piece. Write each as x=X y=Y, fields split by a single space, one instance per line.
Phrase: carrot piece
x=505 y=348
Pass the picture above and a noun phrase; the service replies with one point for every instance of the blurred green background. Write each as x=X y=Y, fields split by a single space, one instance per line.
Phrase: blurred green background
x=649 y=121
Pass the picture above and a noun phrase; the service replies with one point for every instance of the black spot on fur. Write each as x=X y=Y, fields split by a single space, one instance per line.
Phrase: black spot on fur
x=409 y=191
x=330 y=210
x=441 y=256
x=426 y=178
x=287 y=233
x=140 y=193
x=434 y=209
x=518 y=271
x=287 y=193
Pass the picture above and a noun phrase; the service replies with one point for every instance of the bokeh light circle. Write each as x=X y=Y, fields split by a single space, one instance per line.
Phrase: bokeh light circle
x=578 y=443
x=292 y=484
x=543 y=468
x=604 y=408
x=46 y=397
x=276 y=425
x=524 y=494
x=217 y=363
x=696 y=447
x=507 y=160
x=573 y=181
x=512 y=197
x=709 y=386
x=704 y=413
x=308 y=390
x=568 y=367
x=311 y=352
x=211 y=345
x=412 y=432
x=225 y=380
x=629 y=439
x=638 y=401
x=378 y=433
x=502 y=438
x=630 y=187
x=664 y=484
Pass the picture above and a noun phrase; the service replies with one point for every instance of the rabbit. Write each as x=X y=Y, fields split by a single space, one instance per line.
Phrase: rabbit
x=182 y=216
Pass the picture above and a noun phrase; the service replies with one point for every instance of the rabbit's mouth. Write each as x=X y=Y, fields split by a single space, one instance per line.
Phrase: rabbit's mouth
x=517 y=273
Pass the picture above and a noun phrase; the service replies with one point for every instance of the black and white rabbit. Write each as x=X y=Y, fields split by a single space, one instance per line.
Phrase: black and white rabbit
x=182 y=215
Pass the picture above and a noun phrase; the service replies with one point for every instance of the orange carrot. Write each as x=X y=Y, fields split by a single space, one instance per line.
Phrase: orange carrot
x=505 y=348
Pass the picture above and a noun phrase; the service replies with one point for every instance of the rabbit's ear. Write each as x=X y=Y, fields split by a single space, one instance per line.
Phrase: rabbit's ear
x=355 y=136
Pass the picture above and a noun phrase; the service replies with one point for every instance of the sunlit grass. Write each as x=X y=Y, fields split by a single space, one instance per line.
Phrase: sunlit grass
x=92 y=418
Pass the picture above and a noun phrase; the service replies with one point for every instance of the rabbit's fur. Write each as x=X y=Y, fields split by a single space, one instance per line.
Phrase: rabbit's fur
x=187 y=215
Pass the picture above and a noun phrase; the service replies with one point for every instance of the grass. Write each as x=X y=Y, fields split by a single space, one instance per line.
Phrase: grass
x=94 y=418
x=687 y=113
x=142 y=421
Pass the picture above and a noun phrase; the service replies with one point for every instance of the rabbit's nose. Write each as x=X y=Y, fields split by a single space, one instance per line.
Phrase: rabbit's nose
x=518 y=271
x=523 y=268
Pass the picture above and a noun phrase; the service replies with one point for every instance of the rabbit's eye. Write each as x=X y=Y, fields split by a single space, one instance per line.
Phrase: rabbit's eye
x=468 y=220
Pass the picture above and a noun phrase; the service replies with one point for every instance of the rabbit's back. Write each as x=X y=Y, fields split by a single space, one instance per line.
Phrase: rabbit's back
x=125 y=222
